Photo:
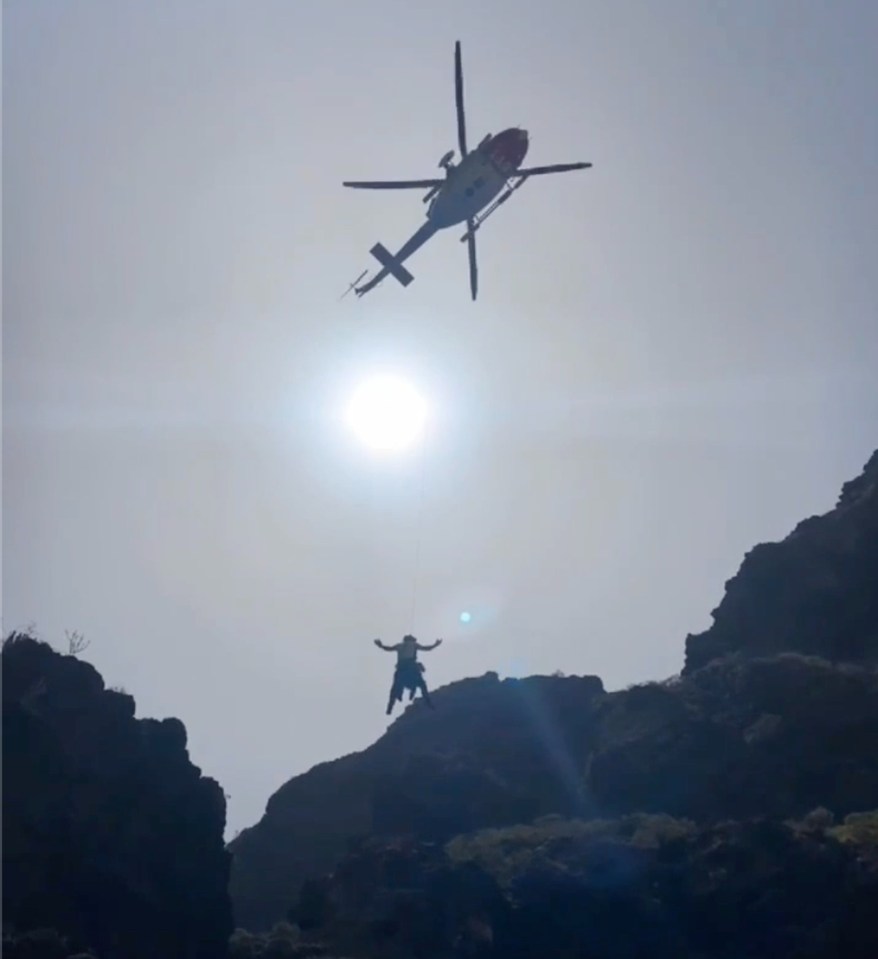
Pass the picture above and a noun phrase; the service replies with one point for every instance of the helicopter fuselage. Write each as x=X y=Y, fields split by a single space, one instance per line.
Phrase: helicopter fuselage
x=478 y=178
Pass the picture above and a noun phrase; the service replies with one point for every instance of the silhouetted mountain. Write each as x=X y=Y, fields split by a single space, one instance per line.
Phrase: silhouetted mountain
x=753 y=728
x=111 y=837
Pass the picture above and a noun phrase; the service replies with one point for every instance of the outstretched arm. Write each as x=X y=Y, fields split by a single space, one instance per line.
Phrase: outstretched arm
x=431 y=646
x=387 y=649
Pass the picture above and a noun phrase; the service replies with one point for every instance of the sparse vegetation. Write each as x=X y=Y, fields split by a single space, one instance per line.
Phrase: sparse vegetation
x=506 y=853
x=820 y=819
x=858 y=828
x=282 y=942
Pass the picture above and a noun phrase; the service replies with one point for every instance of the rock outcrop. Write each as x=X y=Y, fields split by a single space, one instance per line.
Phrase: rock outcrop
x=492 y=753
x=111 y=836
x=741 y=738
x=815 y=592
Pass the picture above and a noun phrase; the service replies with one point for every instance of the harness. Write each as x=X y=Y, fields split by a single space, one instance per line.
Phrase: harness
x=409 y=670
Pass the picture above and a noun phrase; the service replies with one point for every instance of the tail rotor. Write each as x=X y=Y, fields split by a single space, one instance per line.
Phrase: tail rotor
x=353 y=285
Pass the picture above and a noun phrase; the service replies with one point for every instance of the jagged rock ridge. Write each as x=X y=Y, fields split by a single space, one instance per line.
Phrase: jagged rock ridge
x=111 y=836
x=815 y=592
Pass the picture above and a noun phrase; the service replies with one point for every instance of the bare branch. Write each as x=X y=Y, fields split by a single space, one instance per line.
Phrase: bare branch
x=76 y=642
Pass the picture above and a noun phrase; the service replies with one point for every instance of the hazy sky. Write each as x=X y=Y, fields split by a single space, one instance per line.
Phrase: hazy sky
x=672 y=357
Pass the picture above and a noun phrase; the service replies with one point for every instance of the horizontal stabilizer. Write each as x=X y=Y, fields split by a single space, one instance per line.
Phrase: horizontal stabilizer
x=391 y=264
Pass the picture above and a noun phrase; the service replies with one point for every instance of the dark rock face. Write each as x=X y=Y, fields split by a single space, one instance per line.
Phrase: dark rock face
x=402 y=898
x=110 y=835
x=492 y=753
x=742 y=738
x=815 y=593
x=642 y=886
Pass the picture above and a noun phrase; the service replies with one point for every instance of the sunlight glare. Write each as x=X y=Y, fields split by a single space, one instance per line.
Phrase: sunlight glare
x=387 y=413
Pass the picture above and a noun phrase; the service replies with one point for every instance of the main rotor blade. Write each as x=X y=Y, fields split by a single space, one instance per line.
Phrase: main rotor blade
x=555 y=168
x=473 y=267
x=392 y=184
x=458 y=98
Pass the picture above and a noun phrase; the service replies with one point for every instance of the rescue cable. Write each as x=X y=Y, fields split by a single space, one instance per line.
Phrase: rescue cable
x=418 y=532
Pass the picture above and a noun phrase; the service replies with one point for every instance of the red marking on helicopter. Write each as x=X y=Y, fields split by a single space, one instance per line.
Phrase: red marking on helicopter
x=508 y=149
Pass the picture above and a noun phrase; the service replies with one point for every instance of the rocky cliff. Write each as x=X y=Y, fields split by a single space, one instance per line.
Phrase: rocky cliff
x=776 y=713
x=111 y=836
x=815 y=592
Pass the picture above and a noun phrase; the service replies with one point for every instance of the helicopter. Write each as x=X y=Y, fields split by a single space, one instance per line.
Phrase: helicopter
x=470 y=191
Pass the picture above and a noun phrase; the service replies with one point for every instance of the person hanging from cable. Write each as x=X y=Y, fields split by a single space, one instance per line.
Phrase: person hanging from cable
x=409 y=673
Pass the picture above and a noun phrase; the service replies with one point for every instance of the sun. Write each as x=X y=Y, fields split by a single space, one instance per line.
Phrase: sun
x=387 y=413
